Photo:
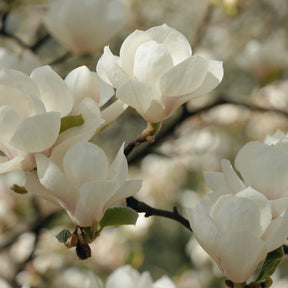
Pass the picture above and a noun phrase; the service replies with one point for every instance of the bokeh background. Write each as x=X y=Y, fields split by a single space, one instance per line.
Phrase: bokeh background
x=251 y=38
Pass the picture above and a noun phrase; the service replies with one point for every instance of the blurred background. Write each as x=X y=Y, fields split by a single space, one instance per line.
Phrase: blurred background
x=250 y=37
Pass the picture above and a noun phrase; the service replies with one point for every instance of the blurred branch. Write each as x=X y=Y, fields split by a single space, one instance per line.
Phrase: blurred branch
x=60 y=59
x=40 y=42
x=200 y=29
x=142 y=207
x=165 y=133
x=34 y=227
x=5 y=33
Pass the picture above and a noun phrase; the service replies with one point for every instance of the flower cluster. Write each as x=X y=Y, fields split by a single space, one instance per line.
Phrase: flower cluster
x=47 y=122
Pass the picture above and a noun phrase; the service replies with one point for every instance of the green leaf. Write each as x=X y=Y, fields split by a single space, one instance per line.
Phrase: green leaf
x=63 y=236
x=119 y=216
x=71 y=121
x=271 y=262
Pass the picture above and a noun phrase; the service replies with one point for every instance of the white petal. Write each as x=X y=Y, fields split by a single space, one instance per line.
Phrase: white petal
x=18 y=100
x=109 y=69
x=140 y=95
x=213 y=77
x=54 y=92
x=34 y=186
x=156 y=113
x=119 y=166
x=37 y=133
x=20 y=80
x=175 y=42
x=73 y=135
x=185 y=77
x=128 y=49
x=262 y=203
x=85 y=162
x=83 y=83
x=235 y=183
x=15 y=164
x=277 y=232
x=53 y=179
x=94 y=196
x=129 y=188
x=264 y=168
x=106 y=90
x=151 y=61
x=241 y=254
x=9 y=120
x=278 y=206
x=205 y=230
x=217 y=182
x=88 y=108
x=113 y=111
x=238 y=214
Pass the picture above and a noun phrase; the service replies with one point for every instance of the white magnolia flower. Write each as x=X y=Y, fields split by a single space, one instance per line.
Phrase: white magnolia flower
x=86 y=185
x=31 y=109
x=84 y=26
x=156 y=73
x=127 y=277
x=237 y=230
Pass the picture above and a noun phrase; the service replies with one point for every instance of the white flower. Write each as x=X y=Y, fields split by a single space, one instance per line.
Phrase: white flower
x=237 y=230
x=127 y=277
x=87 y=184
x=84 y=26
x=31 y=109
x=156 y=73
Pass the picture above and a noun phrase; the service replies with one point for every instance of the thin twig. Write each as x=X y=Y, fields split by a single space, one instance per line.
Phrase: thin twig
x=201 y=27
x=147 y=135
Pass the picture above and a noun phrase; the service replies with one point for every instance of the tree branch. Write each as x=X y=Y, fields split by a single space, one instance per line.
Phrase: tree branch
x=142 y=207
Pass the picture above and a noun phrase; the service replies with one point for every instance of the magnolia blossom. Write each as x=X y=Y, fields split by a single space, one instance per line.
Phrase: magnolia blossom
x=156 y=72
x=31 y=109
x=84 y=26
x=238 y=230
x=128 y=277
x=86 y=185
